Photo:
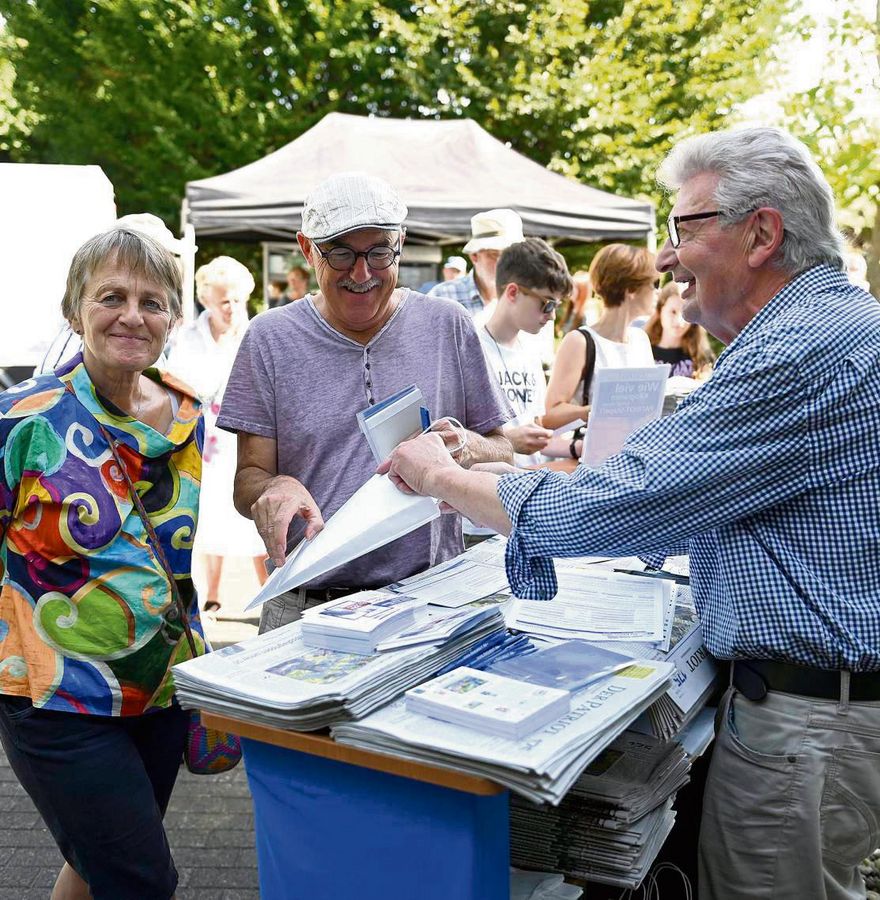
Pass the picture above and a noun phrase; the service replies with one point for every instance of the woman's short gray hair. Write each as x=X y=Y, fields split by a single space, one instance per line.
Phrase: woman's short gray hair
x=765 y=167
x=225 y=272
x=131 y=250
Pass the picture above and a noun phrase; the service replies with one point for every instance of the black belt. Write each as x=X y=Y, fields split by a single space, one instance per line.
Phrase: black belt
x=754 y=677
x=322 y=595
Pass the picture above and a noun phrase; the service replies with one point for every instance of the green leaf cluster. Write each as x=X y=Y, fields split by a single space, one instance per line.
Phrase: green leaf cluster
x=159 y=92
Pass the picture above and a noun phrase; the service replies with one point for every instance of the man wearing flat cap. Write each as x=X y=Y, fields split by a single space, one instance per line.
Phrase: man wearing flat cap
x=305 y=370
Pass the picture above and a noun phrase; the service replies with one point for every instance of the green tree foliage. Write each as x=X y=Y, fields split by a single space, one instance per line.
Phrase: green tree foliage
x=839 y=119
x=159 y=92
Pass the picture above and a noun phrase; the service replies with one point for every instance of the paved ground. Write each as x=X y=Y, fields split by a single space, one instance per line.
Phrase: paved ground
x=209 y=821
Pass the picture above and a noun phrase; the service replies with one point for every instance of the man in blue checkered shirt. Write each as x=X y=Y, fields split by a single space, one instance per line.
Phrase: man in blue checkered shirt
x=769 y=477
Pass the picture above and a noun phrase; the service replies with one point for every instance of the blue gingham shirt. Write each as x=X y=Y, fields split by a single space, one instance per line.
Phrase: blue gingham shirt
x=463 y=290
x=768 y=476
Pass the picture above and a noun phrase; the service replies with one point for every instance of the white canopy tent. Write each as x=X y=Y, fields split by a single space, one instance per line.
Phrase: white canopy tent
x=446 y=171
x=48 y=212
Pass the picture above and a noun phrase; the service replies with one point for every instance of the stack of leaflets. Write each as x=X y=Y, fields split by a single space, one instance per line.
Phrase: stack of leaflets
x=597 y=604
x=358 y=622
x=489 y=703
x=393 y=420
x=275 y=679
x=456 y=582
x=614 y=820
x=435 y=625
x=541 y=766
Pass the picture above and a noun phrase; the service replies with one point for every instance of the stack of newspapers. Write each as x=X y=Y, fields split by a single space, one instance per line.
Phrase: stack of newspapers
x=612 y=824
x=275 y=679
x=696 y=671
x=541 y=766
x=614 y=820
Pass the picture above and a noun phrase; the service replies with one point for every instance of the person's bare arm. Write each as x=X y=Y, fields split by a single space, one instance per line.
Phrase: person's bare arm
x=529 y=438
x=567 y=370
x=478 y=448
x=424 y=466
x=270 y=499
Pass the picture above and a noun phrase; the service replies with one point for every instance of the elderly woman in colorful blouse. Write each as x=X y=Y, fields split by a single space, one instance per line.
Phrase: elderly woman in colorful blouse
x=89 y=627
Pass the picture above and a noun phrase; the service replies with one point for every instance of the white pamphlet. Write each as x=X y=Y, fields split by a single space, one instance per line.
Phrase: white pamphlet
x=622 y=401
x=488 y=702
x=375 y=515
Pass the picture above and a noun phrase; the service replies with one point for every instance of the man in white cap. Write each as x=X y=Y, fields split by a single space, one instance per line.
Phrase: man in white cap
x=454 y=267
x=305 y=370
x=491 y=232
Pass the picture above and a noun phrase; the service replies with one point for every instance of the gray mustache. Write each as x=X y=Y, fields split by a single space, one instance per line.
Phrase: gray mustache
x=359 y=287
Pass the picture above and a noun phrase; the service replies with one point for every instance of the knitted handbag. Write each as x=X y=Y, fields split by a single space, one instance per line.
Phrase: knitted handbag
x=207 y=751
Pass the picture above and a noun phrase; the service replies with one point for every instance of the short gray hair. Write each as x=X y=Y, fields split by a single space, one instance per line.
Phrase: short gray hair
x=132 y=250
x=765 y=167
x=226 y=272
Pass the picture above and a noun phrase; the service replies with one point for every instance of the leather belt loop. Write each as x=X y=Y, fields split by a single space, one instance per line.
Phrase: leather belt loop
x=843 y=703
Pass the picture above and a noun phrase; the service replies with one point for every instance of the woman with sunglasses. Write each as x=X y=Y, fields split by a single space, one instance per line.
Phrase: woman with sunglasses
x=624 y=277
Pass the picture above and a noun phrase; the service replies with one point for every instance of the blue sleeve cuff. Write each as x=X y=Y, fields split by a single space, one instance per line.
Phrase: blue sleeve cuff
x=530 y=577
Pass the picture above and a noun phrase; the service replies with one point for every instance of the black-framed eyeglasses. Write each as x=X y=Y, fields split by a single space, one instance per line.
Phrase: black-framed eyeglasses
x=343 y=259
x=548 y=304
x=673 y=222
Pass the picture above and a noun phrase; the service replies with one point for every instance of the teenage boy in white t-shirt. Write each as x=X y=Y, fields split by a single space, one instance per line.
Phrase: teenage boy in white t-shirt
x=532 y=280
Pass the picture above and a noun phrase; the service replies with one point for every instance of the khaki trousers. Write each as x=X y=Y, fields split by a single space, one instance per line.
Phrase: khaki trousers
x=792 y=802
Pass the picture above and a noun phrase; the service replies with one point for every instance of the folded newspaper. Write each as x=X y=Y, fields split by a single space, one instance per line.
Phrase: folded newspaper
x=541 y=766
x=275 y=679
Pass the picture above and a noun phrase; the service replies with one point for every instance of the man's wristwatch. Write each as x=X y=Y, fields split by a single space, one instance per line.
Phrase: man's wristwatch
x=572 y=449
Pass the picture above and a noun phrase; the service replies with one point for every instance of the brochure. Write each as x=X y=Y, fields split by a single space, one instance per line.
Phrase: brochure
x=387 y=423
x=622 y=401
x=488 y=702
x=375 y=515
x=568 y=666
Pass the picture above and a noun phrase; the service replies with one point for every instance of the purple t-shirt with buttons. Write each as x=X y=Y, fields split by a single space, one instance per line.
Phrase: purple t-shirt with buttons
x=299 y=381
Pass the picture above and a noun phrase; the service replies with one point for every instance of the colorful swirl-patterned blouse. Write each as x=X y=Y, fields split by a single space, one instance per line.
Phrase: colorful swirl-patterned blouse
x=88 y=623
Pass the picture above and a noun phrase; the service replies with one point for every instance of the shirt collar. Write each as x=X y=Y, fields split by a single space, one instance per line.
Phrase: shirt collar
x=136 y=434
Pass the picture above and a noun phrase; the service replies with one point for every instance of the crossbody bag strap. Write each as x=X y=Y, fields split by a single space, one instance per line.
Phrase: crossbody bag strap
x=589 y=362
x=155 y=544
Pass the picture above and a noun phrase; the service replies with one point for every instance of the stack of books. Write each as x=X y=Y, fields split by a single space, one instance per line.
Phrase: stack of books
x=359 y=622
x=489 y=703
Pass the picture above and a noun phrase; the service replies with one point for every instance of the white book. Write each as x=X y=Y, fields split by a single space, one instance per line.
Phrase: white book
x=387 y=423
x=375 y=515
x=489 y=703
x=622 y=401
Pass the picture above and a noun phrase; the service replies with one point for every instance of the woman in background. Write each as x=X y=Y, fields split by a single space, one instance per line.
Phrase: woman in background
x=202 y=357
x=624 y=277
x=673 y=340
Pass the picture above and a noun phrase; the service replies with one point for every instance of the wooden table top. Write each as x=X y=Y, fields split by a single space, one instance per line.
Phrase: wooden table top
x=320 y=744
